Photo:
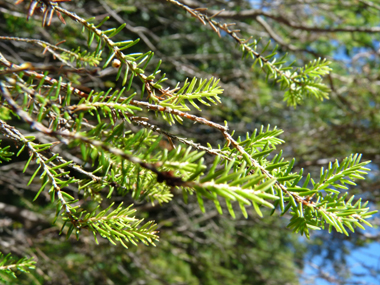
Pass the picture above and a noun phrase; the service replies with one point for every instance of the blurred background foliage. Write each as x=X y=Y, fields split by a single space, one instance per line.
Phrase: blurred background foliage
x=198 y=248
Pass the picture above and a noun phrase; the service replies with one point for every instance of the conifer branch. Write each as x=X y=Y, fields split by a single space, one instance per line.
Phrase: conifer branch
x=247 y=177
x=116 y=159
x=297 y=83
x=48 y=175
x=295 y=199
x=8 y=265
x=253 y=13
